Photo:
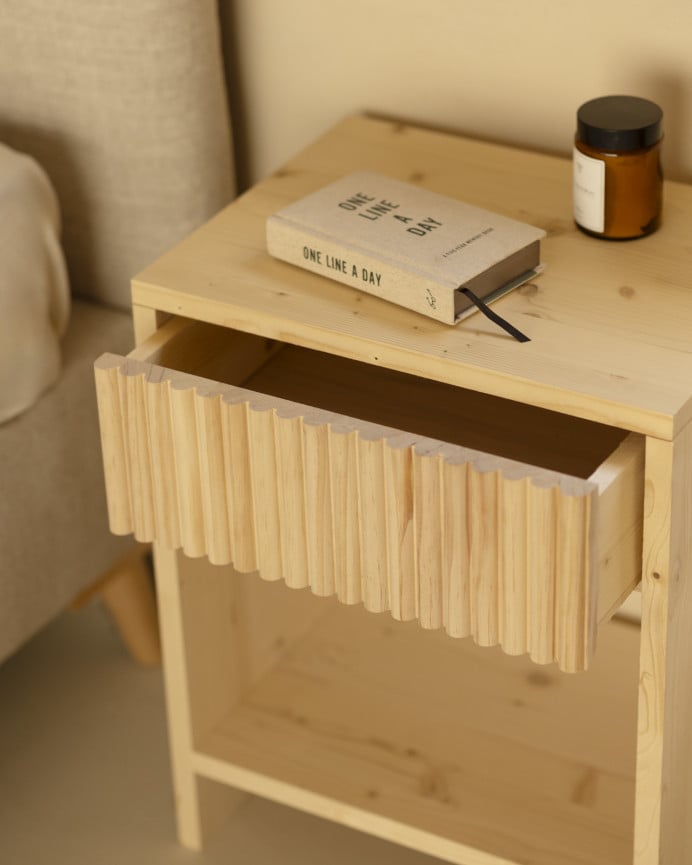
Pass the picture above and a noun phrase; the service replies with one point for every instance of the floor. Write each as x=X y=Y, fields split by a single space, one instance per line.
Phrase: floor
x=84 y=775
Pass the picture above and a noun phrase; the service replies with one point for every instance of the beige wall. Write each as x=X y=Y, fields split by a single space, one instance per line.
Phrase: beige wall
x=504 y=70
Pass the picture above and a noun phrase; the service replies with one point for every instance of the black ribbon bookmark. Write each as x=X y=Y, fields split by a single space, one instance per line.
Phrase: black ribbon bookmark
x=493 y=316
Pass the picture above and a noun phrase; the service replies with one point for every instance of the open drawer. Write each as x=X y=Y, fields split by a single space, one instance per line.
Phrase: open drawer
x=513 y=525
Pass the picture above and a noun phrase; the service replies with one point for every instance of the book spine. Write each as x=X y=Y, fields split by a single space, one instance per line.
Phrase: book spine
x=351 y=266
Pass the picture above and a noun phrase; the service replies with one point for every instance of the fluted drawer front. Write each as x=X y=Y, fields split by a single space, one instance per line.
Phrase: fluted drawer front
x=479 y=545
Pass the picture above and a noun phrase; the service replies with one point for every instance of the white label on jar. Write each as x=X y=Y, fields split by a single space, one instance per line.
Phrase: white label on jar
x=589 y=191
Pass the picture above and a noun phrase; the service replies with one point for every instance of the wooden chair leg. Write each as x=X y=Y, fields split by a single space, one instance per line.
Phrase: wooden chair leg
x=127 y=591
x=632 y=608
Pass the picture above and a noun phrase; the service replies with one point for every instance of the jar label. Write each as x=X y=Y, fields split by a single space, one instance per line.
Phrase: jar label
x=589 y=191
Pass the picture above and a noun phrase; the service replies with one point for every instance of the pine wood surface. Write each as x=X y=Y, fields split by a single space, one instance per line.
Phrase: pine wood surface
x=609 y=328
x=663 y=829
x=420 y=527
x=127 y=591
x=202 y=683
x=607 y=322
x=439 y=745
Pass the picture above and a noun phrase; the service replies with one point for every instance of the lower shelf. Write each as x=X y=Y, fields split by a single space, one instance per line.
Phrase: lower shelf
x=450 y=749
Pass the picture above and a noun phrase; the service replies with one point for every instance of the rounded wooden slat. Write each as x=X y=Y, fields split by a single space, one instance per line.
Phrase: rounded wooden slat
x=541 y=512
x=265 y=493
x=373 y=528
x=344 y=484
x=428 y=533
x=213 y=479
x=163 y=470
x=188 y=477
x=318 y=508
x=482 y=515
x=137 y=443
x=513 y=571
x=241 y=509
x=290 y=480
x=115 y=462
x=400 y=530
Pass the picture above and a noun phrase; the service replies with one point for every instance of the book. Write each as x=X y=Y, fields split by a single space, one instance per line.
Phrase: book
x=405 y=244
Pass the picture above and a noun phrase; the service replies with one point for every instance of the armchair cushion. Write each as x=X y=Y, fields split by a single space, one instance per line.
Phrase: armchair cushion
x=53 y=517
x=124 y=106
x=34 y=293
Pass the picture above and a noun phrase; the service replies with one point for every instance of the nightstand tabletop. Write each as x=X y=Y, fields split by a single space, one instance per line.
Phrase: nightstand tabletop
x=610 y=323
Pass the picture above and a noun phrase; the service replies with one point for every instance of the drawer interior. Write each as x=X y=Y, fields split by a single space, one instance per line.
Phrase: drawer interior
x=539 y=437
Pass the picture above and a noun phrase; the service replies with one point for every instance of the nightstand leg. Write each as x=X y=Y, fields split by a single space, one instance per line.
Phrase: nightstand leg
x=222 y=632
x=196 y=599
x=663 y=827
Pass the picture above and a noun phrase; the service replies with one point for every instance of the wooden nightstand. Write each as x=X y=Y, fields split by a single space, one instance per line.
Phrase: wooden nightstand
x=490 y=498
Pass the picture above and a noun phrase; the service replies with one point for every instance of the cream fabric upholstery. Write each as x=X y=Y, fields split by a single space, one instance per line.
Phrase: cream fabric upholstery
x=34 y=294
x=124 y=106
x=53 y=533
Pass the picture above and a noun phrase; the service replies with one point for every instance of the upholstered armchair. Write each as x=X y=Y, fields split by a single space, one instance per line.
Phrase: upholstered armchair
x=123 y=108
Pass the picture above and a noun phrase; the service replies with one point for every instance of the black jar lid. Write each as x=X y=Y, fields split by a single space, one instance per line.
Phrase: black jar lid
x=619 y=123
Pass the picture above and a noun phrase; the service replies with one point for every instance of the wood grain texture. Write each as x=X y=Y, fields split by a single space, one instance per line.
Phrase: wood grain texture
x=112 y=428
x=401 y=542
x=187 y=605
x=220 y=636
x=345 y=507
x=320 y=520
x=262 y=469
x=514 y=573
x=456 y=751
x=126 y=590
x=609 y=333
x=240 y=505
x=663 y=831
x=399 y=522
x=610 y=342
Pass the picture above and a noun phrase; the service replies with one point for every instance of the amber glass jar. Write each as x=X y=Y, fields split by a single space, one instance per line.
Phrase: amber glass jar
x=618 y=182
